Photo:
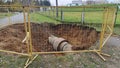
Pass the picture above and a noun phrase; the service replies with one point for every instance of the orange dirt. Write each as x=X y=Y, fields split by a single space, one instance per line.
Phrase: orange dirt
x=81 y=37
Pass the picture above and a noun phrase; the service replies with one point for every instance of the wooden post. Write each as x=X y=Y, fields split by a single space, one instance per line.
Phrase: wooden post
x=56 y=8
x=82 y=18
x=49 y=12
x=54 y=15
x=117 y=7
x=62 y=17
x=83 y=14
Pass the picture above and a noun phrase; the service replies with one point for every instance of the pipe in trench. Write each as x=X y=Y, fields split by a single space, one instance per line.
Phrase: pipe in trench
x=60 y=44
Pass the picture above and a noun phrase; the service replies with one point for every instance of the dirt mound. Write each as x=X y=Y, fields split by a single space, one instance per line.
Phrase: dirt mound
x=82 y=37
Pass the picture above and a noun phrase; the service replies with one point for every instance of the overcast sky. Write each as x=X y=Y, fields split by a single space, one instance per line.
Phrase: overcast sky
x=64 y=2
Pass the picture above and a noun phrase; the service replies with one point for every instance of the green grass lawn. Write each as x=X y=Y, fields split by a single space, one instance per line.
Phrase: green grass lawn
x=117 y=29
x=36 y=17
x=71 y=14
x=118 y=18
x=93 y=8
x=76 y=17
x=97 y=17
x=90 y=17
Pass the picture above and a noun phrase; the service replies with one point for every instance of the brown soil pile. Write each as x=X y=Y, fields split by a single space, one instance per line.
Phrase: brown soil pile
x=81 y=37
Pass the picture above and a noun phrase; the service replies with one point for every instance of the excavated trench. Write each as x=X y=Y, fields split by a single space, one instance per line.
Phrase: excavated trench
x=81 y=37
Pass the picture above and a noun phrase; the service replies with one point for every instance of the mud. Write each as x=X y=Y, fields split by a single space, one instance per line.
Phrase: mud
x=81 y=37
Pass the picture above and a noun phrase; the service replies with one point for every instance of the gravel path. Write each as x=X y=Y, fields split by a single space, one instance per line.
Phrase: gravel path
x=113 y=41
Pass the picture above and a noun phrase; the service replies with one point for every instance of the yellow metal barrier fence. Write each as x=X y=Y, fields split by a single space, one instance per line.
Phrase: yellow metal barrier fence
x=106 y=32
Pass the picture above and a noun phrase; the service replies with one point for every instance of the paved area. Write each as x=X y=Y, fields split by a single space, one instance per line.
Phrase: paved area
x=18 y=18
x=113 y=41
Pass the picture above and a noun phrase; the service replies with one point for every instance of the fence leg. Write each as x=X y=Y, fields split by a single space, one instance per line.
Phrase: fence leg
x=101 y=55
x=29 y=61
